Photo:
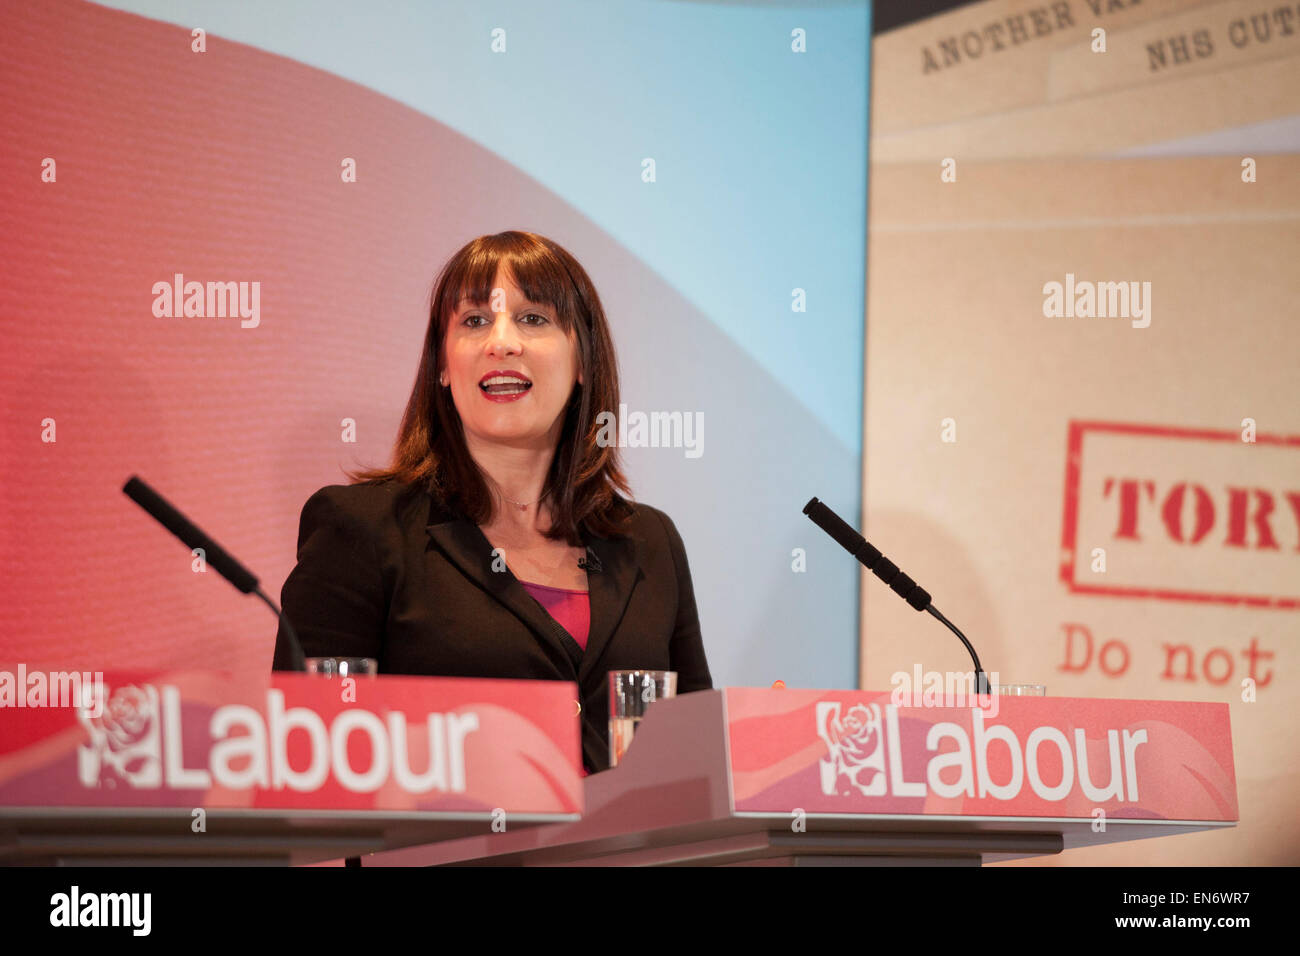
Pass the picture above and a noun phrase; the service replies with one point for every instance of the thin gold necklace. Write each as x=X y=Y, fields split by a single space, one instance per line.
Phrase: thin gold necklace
x=521 y=505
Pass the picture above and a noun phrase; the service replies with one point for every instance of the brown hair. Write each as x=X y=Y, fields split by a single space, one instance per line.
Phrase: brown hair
x=585 y=478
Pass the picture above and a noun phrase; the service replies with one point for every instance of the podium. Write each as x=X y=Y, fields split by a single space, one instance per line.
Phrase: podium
x=205 y=768
x=756 y=777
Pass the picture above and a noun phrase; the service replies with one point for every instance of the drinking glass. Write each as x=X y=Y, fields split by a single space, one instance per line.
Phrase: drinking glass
x=630 y=694
x=342 y=666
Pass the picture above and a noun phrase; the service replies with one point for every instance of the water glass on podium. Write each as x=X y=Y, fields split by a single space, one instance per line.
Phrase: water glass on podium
x=342 y=666
x=630 y=694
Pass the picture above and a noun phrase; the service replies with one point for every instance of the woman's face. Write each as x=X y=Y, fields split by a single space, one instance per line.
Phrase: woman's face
x=511 y=369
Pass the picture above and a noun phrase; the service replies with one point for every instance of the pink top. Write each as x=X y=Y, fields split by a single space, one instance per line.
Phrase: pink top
x=572 y=609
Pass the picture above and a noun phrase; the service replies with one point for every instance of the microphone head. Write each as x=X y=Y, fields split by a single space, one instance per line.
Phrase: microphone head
x=835 y=526
x=867 y=554
x=162 y=511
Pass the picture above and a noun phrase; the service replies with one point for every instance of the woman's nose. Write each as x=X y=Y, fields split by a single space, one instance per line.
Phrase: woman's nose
x=504 y=339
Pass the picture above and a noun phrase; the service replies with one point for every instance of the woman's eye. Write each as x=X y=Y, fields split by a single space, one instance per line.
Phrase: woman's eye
x=476 y=321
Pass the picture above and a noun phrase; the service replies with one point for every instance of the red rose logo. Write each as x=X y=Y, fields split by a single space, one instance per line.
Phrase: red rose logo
x=125 y=741
x=855 y=749
x=127 y=718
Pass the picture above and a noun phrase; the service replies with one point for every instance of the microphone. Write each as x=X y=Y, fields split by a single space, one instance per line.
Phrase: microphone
x=879 y=565
x=216 y=556
x=590 y=562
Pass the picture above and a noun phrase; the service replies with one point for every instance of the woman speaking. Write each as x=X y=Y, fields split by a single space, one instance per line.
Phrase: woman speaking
x=497 y=544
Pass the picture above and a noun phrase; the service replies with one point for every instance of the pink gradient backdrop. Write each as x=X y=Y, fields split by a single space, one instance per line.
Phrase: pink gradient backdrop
x=225 y=166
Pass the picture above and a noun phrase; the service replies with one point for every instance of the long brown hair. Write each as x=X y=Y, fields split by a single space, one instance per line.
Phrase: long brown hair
x=585 y=477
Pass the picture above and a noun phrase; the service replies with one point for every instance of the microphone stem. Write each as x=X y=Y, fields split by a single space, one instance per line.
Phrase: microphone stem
x=299 y=660
x=981 y=681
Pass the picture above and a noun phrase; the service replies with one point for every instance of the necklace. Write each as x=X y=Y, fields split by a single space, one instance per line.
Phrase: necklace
x=519 y=504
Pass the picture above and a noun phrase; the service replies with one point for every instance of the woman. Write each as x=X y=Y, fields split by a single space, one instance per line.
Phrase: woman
x=497 y=544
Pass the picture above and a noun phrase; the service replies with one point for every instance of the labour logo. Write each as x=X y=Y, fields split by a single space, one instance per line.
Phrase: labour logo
x=856 y=745
x=125 y=740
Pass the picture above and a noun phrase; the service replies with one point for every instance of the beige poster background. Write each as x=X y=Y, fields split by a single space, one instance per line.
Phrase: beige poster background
x=958 y=346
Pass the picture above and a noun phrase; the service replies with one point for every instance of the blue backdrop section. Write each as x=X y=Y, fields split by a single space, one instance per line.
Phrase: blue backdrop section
x=760 y=157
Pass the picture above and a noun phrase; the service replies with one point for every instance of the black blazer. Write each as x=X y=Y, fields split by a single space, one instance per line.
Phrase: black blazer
x=385 y=571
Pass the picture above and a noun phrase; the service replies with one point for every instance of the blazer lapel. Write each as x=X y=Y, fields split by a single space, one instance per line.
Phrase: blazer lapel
x=465 y=545
x=609 y=589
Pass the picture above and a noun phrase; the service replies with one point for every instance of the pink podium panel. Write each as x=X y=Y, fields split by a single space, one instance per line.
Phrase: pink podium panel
x=852 y=752
x=292 y=742
x=765 y=777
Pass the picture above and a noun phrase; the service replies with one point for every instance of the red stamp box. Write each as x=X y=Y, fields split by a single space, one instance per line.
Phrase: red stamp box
x=1182 y=514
